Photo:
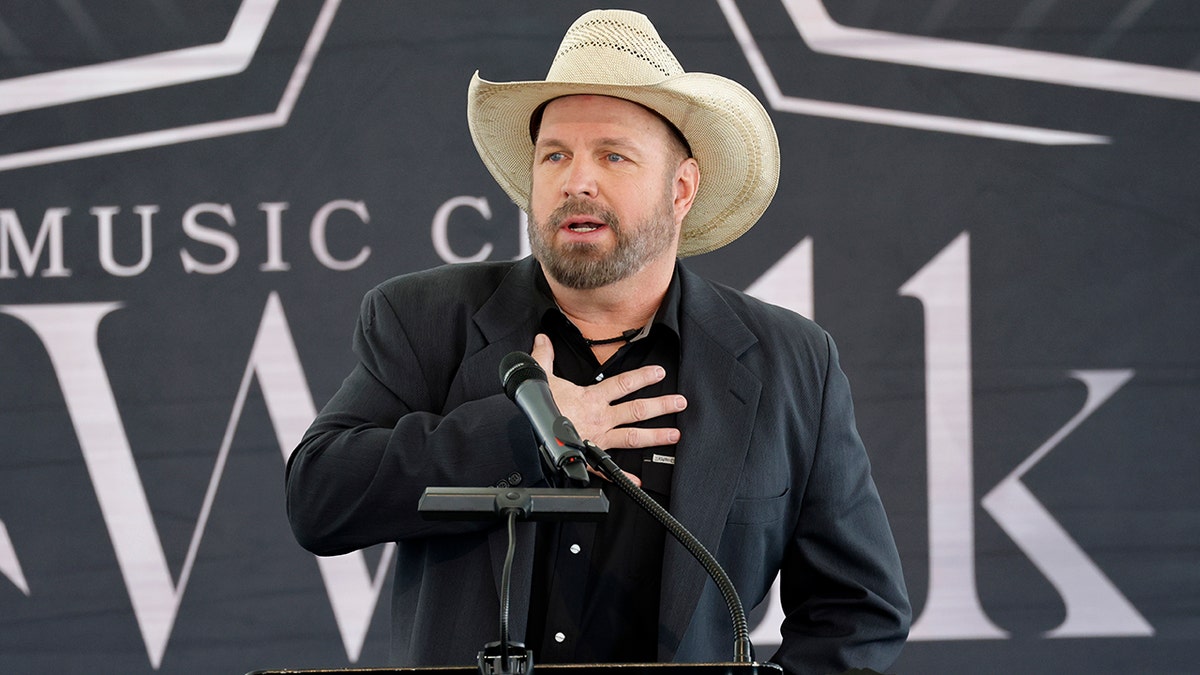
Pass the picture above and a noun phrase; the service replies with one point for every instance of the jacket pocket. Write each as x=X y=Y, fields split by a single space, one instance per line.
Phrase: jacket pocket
x=758 y=509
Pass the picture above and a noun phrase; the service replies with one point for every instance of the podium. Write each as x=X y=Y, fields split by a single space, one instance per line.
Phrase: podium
x=564 y=669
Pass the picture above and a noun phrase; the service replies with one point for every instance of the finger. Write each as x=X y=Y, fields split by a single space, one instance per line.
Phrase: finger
x=641 y=409
x=636 y=481
x=543 y=352
x=634 y=437
x=620 y=386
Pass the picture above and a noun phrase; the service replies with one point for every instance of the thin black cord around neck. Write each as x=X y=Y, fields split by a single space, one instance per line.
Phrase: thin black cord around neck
x=623 y=337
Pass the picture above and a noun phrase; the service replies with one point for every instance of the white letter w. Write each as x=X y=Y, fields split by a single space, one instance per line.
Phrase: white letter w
x=69 y=333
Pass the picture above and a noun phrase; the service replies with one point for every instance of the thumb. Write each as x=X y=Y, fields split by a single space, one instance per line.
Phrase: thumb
x=543 y=352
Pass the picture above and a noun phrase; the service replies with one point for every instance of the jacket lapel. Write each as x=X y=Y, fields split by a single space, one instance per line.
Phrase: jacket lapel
x=716 y=427
x=506 y=323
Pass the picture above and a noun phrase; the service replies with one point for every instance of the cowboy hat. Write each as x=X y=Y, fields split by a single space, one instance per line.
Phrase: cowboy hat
x=619 y=53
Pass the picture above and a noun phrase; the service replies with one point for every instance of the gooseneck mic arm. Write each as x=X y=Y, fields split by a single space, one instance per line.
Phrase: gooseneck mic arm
x=743 y=651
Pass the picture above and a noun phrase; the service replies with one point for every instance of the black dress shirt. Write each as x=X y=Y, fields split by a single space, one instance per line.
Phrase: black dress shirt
x=596 y=585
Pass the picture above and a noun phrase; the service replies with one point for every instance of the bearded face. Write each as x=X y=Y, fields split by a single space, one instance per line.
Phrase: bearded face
x=606 y=197
x=587 y=265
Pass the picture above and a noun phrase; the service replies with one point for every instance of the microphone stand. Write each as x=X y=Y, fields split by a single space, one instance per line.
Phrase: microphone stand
x=743 y=651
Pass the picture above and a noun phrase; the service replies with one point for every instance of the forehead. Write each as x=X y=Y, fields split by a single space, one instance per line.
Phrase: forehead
x=602 y=110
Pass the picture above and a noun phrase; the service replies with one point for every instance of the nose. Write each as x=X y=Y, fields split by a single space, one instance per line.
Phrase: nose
x=580 y=179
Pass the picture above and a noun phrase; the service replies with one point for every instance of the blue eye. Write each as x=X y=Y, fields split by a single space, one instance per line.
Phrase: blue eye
x=555 y=157
x=614 y=157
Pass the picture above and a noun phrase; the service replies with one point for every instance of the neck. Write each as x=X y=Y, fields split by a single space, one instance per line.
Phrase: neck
x=604 y=312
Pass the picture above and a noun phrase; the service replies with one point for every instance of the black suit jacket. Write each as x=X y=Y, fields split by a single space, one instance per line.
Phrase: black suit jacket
x=770 y=473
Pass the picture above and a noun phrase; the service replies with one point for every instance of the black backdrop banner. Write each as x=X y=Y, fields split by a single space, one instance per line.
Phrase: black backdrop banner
x=993 y=207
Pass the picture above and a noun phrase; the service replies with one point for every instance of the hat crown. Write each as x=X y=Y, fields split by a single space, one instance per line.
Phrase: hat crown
x=613 y=47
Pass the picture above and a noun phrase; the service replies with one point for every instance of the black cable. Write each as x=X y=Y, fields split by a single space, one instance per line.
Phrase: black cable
x=506 y=577
x=503 y=658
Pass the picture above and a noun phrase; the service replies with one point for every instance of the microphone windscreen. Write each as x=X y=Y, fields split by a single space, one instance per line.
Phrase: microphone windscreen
x=518 y=368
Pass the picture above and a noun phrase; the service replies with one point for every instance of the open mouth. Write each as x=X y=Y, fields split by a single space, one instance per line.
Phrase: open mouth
x=583 y=225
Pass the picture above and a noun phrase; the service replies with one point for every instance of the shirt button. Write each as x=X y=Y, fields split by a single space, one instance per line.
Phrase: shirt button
x=559 y=637
x=575 y=548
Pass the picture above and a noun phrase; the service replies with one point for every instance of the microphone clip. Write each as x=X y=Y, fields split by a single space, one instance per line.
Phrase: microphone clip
x=570 y=461
x=505 y=658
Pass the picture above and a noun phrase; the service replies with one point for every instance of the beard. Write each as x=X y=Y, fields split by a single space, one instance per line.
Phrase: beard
x=585 y=266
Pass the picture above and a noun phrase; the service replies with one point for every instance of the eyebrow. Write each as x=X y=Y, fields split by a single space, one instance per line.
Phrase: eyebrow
x=608 y=141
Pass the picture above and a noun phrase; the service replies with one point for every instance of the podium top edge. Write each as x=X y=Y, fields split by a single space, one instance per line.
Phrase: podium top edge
x=729 y=668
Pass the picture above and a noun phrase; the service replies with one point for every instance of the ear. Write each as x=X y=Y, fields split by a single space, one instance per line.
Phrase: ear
x=687 y=182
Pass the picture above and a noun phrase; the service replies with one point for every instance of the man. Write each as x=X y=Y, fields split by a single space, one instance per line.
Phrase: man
x=731 y=412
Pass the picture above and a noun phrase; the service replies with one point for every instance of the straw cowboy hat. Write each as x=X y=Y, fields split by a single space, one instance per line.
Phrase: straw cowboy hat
x=619 y=53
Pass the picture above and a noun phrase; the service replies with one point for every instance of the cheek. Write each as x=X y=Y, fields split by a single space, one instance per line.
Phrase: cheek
x=653 y=196
x=538 y=201
x=543 y=188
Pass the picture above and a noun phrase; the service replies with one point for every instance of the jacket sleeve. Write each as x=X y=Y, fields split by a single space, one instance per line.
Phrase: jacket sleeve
x=842 y=588
x=390 y=431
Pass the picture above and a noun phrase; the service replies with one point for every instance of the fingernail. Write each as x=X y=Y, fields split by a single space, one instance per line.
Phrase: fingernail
x=680 y=403
x=673 y=436
x=659 y=372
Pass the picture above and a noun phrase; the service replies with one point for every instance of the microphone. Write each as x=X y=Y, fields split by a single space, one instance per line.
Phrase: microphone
x=526 y=384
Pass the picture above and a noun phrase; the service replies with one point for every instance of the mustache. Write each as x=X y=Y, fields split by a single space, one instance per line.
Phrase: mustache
x=575 y=206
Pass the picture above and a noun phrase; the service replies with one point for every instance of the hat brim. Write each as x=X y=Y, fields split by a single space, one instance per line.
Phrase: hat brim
x=730 y=134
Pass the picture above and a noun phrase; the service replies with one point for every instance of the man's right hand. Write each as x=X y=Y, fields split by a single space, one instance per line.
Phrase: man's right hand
x=591 y=408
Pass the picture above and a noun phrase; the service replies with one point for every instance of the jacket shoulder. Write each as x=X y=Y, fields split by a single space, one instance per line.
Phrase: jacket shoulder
x=457 y=283
x=772 y=325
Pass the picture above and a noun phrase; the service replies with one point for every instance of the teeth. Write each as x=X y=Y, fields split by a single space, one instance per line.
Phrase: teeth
x=581 y=227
